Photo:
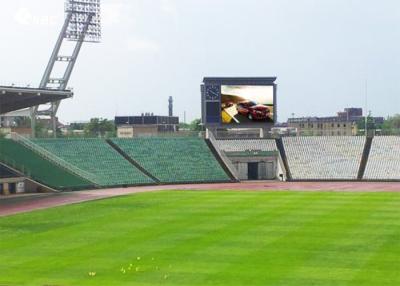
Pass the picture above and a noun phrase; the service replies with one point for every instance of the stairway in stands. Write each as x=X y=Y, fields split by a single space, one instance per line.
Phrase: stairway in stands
x=38 y=168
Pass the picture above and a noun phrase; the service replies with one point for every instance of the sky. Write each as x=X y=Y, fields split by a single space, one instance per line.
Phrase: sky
x=326 y=54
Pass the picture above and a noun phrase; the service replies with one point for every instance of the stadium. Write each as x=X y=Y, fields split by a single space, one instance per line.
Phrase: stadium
x=214 y=207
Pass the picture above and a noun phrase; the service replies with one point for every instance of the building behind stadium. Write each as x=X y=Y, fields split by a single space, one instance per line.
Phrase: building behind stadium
x=345 y=123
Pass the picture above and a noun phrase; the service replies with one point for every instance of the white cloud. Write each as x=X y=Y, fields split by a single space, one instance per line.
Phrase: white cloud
x=169 y=7
x=142 y=46
x=112 y=13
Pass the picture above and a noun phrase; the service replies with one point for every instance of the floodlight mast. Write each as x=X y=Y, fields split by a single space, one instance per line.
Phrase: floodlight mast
x=82 y=24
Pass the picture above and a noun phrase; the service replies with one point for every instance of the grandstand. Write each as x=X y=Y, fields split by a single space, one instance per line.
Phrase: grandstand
x=175 y=159
x=86 y=163
x=95 y=156
x=384 y=159
x=70 y=164
x=324 y=157
x=38 y=168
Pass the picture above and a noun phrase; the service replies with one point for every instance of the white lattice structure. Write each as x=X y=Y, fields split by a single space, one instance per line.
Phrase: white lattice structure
x=325 y=157
x=384 y=159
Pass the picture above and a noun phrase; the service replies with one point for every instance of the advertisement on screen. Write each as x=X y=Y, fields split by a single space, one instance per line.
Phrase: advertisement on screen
x=247 y=104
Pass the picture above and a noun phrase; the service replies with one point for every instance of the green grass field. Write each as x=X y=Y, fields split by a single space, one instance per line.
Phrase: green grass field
x=208 y=238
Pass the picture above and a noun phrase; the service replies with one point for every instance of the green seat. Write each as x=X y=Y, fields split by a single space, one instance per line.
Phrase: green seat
x=98 y=158
x=38 y=168
x=175 y=159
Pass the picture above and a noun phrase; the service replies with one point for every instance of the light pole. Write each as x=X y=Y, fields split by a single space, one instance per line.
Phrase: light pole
x=82 y=24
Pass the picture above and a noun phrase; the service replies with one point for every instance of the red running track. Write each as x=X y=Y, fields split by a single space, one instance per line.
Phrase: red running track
x=24 y=203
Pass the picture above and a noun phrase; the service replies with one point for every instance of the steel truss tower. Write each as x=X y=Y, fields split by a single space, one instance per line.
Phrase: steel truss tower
x=82 y=24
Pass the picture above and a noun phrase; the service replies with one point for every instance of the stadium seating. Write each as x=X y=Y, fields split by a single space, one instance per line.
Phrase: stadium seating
x=95 y=156
x=324 y=157
x=384 y=159
x=175 y=159
x=38 y=168
x=85 y=163
x=247 y=145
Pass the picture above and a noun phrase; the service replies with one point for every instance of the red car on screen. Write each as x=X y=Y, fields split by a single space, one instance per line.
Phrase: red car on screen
x=253 y=111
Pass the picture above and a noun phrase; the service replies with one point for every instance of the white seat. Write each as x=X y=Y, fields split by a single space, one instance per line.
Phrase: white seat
x=384 y=159
x=324 y=157
x=247 y=144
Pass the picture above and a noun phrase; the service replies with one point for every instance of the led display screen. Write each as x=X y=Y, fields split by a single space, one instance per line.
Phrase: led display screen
x=247 y=104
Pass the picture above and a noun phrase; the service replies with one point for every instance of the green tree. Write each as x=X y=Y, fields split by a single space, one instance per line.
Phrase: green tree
x=361 y=124
x=100 y=127
x=77 y=126
x=41 y=130
x=195 y=125
x=393 y=121
x=371 y=124
x=391 y=125
x=184 y=126
x=22 y=121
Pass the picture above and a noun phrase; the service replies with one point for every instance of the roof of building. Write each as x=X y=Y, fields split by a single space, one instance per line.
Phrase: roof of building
x=331 y=119
x=15 y=98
